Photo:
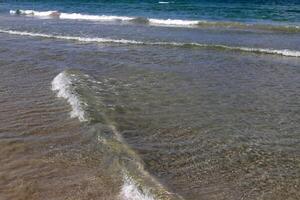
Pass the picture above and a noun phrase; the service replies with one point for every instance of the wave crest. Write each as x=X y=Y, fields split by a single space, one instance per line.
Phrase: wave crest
x=62 y=84
x=35 y=13
x=78 y=16
x=140 y=20
x=81 y=89
x=159 y=22
x=281 y=52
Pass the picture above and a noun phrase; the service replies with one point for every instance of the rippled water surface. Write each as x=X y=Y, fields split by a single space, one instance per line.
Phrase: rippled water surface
x=132 y=111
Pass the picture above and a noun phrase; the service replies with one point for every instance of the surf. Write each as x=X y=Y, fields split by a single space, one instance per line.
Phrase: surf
x=80 y=91
x=185 y=23
x=280 y=52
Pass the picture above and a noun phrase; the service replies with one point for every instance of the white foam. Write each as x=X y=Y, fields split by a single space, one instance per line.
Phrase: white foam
x=173 y=22
x=152 y=21
x=33 y=13
x=80 y=39
x=282 y=52
x=23 y=12
x=163 y=2
x=71 y=16
x=62 y=84
x=130 y=191
x=78 y=16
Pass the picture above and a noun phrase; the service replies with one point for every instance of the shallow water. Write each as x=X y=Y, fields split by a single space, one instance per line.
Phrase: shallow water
x=120 y=110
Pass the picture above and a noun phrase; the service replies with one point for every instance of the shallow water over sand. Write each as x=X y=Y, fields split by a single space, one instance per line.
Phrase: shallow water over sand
x=157 y=122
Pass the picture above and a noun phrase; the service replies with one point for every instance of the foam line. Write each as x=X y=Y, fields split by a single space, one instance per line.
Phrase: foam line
x=281 y=52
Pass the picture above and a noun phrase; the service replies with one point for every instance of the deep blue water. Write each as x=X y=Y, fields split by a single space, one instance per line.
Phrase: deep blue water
x=230 y=10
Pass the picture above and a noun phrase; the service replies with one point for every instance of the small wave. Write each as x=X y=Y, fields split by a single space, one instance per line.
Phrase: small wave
x=159 y=22
x=140 y=20
x=70 y=16
x=35 y=13
x=163 y=2
x=81 y=89
x=245 y=26
x=77 y=16
x=62 y=83
x=80 y=39
x=281 y=52
x=173 y=22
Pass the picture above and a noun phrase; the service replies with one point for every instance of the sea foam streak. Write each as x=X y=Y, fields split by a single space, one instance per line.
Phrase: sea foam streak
x=282 y=52
x=63 y=85
x=158 y=22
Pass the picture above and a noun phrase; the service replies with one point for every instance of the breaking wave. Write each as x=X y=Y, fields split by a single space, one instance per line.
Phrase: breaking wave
x=32 y=13
x=281 y=52
x=78 y=16
x=159 y=22
x=63 y=85
x=83 y=94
